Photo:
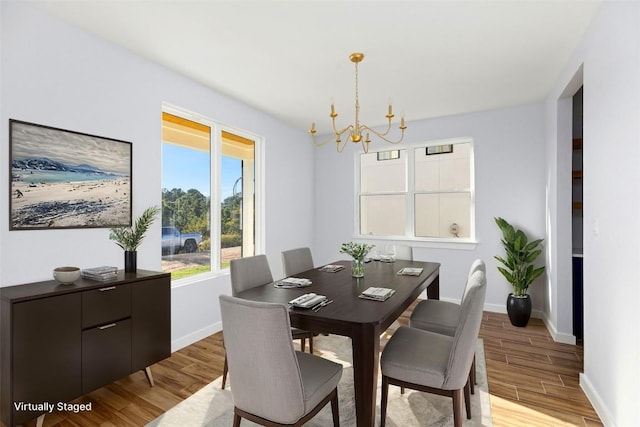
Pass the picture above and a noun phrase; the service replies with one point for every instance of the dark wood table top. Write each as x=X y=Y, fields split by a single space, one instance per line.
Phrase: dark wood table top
x=347 y=309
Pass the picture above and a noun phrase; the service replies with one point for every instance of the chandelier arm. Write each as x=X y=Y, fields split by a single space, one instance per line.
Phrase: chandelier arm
x=321 y=143
x=365 y=146
x=379 y=134
x=340 y=145
x=334 y=137
x=383 y=135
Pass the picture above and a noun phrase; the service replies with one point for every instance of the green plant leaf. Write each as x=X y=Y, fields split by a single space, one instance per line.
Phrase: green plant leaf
x=129 y=238
x=533 y=255
x=520 y=254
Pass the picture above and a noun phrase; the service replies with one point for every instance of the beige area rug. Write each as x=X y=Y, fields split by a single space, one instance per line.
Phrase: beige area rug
x=213 y=407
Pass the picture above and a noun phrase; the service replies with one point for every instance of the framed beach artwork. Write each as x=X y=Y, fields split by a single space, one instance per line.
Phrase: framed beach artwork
x=65 y=179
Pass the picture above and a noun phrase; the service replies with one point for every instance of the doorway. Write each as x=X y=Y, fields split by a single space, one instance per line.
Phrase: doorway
x=577 y=223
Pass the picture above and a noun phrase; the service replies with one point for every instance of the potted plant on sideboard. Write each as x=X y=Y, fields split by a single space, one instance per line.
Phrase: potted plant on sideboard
x=519 y=270
x=129 y=238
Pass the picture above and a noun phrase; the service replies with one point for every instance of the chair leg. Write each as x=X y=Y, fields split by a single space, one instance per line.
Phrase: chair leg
x=334 y=411
x=311 y=344
x=457 y=408
x=236 y=420
x=470 y=382
x=473 y=370
x=383 y=401
x=303 y=343
x=467 y=399
x=401 y=389
x=225 y=371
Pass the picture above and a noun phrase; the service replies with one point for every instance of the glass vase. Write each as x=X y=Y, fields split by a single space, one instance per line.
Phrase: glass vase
x=357 y=268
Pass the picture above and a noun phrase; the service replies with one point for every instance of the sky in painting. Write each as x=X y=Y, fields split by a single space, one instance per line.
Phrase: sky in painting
x=30 y=141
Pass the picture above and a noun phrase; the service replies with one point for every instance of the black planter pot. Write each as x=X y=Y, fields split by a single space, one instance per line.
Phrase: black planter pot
x=130 y=261
x=519 y=309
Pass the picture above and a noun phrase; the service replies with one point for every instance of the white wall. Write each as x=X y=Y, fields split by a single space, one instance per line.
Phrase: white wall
x=509 y=182
x=57 y=75
x=610 y=56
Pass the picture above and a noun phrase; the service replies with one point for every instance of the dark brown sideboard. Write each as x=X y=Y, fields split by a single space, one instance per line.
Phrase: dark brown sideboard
x=60 y=342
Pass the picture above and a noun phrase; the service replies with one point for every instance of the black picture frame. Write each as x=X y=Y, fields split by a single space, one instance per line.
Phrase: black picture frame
x=65 y=179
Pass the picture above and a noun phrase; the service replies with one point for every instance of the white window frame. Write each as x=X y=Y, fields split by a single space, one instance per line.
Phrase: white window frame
x=216 y=194
x=410 y=237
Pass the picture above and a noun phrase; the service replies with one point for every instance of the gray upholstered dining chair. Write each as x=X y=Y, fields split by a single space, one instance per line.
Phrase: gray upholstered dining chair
x=297 y=260
x=250 y=272
x=442 y=316
x=276 y=386
x=436 y=363
x=404 y=252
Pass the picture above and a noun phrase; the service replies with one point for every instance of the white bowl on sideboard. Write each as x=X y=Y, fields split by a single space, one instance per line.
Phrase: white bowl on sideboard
x=66 y=275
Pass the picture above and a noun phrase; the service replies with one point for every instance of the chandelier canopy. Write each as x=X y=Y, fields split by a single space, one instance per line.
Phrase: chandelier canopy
x=356 y=130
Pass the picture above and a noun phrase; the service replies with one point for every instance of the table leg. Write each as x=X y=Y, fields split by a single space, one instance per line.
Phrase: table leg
x=433 y=289
x=366 y=348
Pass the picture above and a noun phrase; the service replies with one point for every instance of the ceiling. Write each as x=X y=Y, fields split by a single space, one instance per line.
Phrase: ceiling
x=291 y=58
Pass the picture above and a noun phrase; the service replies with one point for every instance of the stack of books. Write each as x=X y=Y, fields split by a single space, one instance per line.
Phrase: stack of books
x=332 y=268
x=377 y=294
x=102 y=273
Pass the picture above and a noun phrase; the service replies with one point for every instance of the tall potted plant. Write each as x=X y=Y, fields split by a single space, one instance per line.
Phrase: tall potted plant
x=129 y=238
x=519 y=270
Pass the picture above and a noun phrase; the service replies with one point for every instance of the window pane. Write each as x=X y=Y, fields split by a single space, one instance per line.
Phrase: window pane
x=186 y=197
x=436 y=214
x=443 y=172
x=383 y=215
x=383 y=175
x=237 y=207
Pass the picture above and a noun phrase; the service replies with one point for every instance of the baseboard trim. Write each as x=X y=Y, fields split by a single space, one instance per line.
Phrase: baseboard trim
x=596 y=401
x=557 y=336
x=195 y=336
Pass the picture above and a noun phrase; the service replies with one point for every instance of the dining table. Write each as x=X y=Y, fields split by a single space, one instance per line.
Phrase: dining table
x=349 y=315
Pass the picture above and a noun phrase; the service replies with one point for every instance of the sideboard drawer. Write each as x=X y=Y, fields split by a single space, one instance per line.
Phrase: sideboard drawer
x=106 y=354
x=107 y=304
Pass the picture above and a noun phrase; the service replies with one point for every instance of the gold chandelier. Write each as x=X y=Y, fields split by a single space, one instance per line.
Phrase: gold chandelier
x=356 y=130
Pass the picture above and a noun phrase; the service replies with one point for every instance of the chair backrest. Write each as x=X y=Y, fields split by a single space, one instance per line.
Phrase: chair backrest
x=477 y=265
x=464 y=340
x=404 y=252
x=249 y=272
x=265 y=373
x=295 y=261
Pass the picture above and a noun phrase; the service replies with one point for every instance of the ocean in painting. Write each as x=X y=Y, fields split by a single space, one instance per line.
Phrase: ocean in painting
x=34 y=176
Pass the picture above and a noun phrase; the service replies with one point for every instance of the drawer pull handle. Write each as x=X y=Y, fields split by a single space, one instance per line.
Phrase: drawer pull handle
x=110 y=288
x=110 y=325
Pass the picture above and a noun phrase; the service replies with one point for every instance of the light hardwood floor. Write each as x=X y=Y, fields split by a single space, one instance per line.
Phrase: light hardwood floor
x=533 y=381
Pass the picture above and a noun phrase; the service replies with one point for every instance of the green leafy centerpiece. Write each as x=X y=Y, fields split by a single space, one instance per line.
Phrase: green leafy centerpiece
x=358 y=251
x=129 y=238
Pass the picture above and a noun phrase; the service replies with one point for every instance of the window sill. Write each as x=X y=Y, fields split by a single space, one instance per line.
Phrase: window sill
x=199 y=278
x=461 y=244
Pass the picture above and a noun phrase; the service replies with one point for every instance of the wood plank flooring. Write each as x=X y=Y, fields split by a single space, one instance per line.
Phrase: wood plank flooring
x=533 y=381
